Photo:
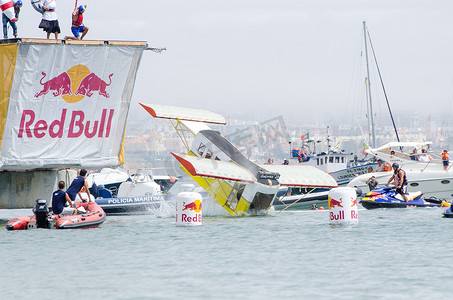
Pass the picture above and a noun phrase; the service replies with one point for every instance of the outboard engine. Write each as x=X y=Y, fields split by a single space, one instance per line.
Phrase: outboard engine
x=41 y=212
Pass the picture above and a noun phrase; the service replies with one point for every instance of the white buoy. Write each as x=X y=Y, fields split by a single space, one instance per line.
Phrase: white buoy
x=343 y=205
x=188 y=209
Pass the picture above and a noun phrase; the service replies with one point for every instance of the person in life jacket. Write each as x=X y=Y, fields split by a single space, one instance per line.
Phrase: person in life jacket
x=77 y=24
x=445 y=159
x=303 y=155
x=400 y=180
x=386 y=167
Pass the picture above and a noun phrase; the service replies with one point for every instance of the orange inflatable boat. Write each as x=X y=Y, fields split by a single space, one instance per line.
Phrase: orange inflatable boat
x=93 y=217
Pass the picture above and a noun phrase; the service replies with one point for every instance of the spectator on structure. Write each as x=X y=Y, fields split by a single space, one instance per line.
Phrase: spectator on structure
x=5 y=20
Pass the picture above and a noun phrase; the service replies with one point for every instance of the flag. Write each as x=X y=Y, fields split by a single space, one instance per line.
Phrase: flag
x=365 y=146
x=304 y=137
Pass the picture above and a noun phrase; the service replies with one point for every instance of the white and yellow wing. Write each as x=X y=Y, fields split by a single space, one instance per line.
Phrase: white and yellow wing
x=183 y=114
x=204 y=167
x=301 y=176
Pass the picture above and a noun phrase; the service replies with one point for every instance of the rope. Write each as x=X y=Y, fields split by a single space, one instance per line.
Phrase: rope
x=295 y=201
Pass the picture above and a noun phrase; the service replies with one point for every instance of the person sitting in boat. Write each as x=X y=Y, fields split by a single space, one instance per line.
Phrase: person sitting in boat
x=414 y=155
x=270 y=161
x=76 y=186
x=380 y=166
x=372 y=183
x=425 y=157
x=387 y=167
x=303 y=156
x=59 y=199
x=400 y=181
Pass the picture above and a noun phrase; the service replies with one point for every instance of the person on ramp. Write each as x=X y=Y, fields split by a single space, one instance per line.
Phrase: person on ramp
x=400 y=179
x=77 y=184
x=77 y=24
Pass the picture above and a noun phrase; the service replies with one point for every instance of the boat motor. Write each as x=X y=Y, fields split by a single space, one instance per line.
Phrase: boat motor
x=41 y=211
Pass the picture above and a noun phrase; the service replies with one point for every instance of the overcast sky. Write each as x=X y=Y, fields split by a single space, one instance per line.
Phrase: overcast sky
x=299 y=59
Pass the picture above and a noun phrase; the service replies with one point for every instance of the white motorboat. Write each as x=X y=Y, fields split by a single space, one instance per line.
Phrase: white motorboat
x=138 y=193
x=111 y=179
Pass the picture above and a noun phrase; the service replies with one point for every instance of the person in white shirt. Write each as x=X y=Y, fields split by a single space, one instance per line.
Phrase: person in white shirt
x=49 y=22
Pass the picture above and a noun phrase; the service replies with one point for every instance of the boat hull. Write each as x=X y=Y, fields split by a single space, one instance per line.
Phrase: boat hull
x=302 y=201
x=19 y=223
x=131 y=205
x=376 y=204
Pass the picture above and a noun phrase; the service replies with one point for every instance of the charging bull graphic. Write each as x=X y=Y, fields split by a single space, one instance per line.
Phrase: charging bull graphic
x=8 y=9
x=61 y=85
x=74 y=84
x=93 y=83
x=333 y=203
x=194 y=206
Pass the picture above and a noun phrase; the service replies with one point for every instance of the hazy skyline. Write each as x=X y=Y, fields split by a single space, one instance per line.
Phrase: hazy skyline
x=290 y=58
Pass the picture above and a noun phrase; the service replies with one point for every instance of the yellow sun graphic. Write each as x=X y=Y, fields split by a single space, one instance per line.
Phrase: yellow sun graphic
x=76 y=73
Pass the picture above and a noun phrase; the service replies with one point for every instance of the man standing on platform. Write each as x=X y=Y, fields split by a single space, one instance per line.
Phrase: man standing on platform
x=5 y=20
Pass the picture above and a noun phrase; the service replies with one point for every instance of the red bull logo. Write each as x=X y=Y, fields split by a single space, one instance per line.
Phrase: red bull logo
x=333 y=203
x=74 y=84
x=194 y=206
x=193 y=214
x=353 y=202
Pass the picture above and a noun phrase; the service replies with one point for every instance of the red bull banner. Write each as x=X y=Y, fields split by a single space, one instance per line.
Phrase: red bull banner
x=67 y=105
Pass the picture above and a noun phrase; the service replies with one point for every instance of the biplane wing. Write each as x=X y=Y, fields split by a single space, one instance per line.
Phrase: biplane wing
x=183 y=114
x=204 y=167
x=297 y=176
x=301 y=176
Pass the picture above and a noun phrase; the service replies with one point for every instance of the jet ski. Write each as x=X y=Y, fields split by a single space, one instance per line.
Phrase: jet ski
x=448 y=213
x=387 y=197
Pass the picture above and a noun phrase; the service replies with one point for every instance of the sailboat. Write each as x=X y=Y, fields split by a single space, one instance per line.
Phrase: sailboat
x=427 y=175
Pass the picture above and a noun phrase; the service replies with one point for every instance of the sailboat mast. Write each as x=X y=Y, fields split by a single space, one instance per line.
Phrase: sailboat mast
x=371 y=130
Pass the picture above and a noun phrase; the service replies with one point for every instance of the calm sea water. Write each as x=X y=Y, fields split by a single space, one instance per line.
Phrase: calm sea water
x=389 y=254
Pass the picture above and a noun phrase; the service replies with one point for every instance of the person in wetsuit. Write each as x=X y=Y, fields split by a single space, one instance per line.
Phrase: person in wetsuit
x=400 y=179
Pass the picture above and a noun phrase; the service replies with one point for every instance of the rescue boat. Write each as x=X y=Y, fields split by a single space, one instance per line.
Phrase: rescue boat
x=93 y=217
